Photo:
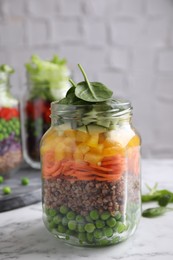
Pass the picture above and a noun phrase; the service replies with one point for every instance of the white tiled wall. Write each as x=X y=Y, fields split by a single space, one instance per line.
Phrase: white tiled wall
x=127 y=44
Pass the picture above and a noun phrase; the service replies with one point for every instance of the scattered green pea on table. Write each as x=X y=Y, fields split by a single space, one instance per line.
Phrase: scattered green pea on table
x=1 y=179
x=6 y=190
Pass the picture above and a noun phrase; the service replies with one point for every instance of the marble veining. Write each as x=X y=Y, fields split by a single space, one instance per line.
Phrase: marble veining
x=23 y=236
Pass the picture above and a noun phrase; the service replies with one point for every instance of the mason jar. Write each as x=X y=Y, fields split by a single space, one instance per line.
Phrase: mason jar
x=10 y=136
x=91 y=173
x=42 y=89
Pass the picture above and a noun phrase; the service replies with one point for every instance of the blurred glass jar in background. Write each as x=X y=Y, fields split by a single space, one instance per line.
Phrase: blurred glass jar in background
x=47 y=81
x=10 y=136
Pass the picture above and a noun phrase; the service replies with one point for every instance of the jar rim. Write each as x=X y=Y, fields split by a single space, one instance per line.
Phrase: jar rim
x=118 y=102
x=113 y=107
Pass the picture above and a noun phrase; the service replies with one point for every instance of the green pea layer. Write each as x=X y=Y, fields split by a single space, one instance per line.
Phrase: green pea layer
x=95 y=229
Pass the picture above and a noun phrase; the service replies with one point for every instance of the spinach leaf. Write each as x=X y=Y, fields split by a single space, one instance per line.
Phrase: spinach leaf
x=155 y=212
x=70 y=91
x=71 y=98
x=164 y=200
x=156 y=195
x=163 y=197
x=92 y=91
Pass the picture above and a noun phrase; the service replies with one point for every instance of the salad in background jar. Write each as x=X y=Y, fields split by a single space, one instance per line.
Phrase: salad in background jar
x=91 y=168
x=10 y=136
x=46 y=81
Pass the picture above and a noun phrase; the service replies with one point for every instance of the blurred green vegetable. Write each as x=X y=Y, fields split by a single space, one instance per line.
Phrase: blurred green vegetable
x=155 y=212
x=155 y=195
x=163 y=197
x=47 y=77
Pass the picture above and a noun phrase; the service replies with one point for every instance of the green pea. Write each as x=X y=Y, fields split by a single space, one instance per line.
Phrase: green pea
x=104 y=242
x=111 y=222
x=89 y=219
x=24 y=181
x=120 y=227
x=89 y=227
x=63 y=209
x=57 y=219
x=94 y=214
x=9 y=129
x=3 y=121
x=82 y=237
x=80 y=219
x=117 y=215
x=105 y=215
x=80 y=227
x=49 y=219
x=72 y=224
x=69 y=232
x=108 y=232
x=17 y=124
x=100 y=223
x=67 y=237
x=115 y=240
x=52 y=212
x=90 y=237
x=17 y=132
x=51 y=225
x=98 y=233
x=46 y=211
x=71 y=215
x=1 y=179
x=61 y=228
x=65 y=221
x=6 y=190
x=1 y=137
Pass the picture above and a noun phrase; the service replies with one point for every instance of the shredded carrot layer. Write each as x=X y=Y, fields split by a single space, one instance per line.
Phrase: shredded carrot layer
x=109 y=170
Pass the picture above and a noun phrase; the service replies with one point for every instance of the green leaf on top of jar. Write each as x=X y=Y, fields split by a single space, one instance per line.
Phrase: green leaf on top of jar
x=92 y=91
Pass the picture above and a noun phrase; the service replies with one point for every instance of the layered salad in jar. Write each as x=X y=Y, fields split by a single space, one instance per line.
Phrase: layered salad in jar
x=10 y=127
x=47 y=81
x=91 y=167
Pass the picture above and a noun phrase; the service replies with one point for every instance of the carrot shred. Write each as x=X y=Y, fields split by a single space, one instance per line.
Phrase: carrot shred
x=111 y=169
x=104 y=169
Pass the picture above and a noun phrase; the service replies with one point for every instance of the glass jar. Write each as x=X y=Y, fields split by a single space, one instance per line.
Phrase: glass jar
x=10 y=138
x=45 y=83
x=91 y=173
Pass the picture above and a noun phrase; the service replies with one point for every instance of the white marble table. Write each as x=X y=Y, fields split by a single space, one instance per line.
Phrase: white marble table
x=23 y=236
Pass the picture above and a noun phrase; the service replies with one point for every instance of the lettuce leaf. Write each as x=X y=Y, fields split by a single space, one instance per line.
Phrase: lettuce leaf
x=47 y=77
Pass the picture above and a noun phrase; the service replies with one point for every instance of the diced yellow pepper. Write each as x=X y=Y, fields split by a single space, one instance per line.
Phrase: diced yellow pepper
x=110 y=143
x=98 y=149
x=93 y=140
x=111 y=151
x=77 y=155
x=101 y=138
x=60 y=151
x=135 y=141
x=68 y=152
x=50 y=136
x=93 y=158
x=83 y=148
x=70 y=133
x=81 y=136
x=50 y=144
x=69 y=141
